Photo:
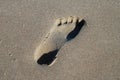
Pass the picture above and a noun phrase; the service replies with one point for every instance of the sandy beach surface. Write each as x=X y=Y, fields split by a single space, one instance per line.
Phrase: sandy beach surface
x=93 y=55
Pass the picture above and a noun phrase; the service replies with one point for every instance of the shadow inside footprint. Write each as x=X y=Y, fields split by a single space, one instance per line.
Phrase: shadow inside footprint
x=76 y=30
x=47 y=58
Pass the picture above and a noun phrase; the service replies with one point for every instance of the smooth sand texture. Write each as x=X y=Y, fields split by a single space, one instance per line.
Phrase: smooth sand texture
x=93 y=55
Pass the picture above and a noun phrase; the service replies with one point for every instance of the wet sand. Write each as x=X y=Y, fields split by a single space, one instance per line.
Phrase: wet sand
x=93 y=55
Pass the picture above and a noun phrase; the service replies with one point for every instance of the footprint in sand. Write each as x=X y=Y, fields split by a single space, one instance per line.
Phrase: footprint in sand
x=63 y=30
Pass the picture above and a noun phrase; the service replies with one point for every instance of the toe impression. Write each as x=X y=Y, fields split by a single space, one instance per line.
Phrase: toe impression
x=76 y=30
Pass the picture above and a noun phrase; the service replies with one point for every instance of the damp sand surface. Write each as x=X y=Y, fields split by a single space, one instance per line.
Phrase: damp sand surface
x=93 y=55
